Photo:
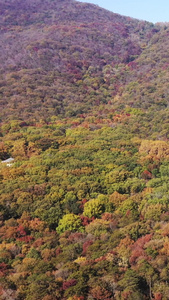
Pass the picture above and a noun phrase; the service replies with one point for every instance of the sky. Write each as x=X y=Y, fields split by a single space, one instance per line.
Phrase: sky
x=150 y=10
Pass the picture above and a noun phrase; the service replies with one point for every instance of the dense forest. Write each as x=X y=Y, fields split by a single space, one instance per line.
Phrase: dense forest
x=84 y=114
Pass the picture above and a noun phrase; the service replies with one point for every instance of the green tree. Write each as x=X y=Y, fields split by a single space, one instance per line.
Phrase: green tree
x=69 y=222
x=129 y=286
x=95 y=207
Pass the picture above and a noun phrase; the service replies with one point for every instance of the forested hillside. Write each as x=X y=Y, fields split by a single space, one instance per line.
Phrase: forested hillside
x=54 y=54
x=84 y=113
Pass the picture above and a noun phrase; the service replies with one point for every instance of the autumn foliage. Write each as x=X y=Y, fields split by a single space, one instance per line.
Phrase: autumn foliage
x=84 y=116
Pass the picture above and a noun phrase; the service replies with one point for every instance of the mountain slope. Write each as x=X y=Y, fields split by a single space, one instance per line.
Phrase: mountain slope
x=84 y=204
x=47 y=46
